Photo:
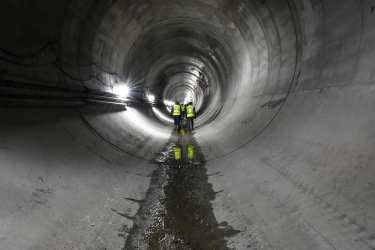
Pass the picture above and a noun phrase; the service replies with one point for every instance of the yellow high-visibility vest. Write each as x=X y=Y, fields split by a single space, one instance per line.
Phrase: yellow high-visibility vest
x=177 y=153
x=176 y=110
x=191 y=152
x=183 y=108
x=190 y=111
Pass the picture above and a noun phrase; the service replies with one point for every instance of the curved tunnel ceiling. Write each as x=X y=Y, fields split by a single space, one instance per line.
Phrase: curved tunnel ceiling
x=285 y=99
x=230 y=58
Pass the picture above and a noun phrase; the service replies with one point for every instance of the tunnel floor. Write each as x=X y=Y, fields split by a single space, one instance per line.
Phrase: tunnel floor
x=283 y=156
x=177 y=212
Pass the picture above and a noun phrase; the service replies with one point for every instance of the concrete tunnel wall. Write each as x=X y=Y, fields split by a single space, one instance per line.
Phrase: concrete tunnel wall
x=292 y=150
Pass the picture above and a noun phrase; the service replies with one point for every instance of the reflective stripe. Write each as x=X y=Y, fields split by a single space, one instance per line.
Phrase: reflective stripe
x=190 y=111
x=177 y=153
x=191 y=152
x=176 y=110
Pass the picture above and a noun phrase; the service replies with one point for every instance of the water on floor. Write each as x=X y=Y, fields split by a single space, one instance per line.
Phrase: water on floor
x=177 y=212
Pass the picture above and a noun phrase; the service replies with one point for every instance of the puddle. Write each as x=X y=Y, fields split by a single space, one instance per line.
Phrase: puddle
x=177 y=213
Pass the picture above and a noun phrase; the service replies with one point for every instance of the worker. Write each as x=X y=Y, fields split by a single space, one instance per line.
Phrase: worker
x=183 y=116
x=183 y=111
x=190 y=115
x=176 y=113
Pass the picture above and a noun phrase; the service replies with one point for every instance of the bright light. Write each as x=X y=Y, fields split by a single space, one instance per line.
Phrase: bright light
x=150 y=97
x=168 y=103
x=122 y=90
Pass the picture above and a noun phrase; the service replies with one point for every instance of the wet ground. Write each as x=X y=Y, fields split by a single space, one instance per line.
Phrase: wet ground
x=177 y=211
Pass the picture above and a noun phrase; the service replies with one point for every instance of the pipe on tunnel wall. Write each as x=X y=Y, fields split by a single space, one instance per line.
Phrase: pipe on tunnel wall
x=288 y=122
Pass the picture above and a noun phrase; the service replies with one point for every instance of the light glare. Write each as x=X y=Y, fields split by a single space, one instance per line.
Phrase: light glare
x=122 y=90
x=168 y=103
x=150 y=97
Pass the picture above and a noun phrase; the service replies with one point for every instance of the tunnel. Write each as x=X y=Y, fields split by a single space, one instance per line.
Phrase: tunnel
x=285 y=130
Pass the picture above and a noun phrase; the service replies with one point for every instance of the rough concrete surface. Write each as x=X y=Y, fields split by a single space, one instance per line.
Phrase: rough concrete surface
x=284 y=92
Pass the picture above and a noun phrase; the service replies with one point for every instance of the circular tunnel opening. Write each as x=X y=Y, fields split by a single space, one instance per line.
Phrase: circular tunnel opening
x=229 y=58
x=284 y=92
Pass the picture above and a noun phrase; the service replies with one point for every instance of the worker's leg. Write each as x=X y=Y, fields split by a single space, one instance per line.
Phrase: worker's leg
x=179 y=123
x=183 y=122
x=189 y=124
x=176 y=122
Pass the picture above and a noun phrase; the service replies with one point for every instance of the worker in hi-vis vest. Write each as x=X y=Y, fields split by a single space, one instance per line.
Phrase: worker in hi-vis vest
x=183 y=111
x=190 y=115
x=176 y=113
x=183 y=116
